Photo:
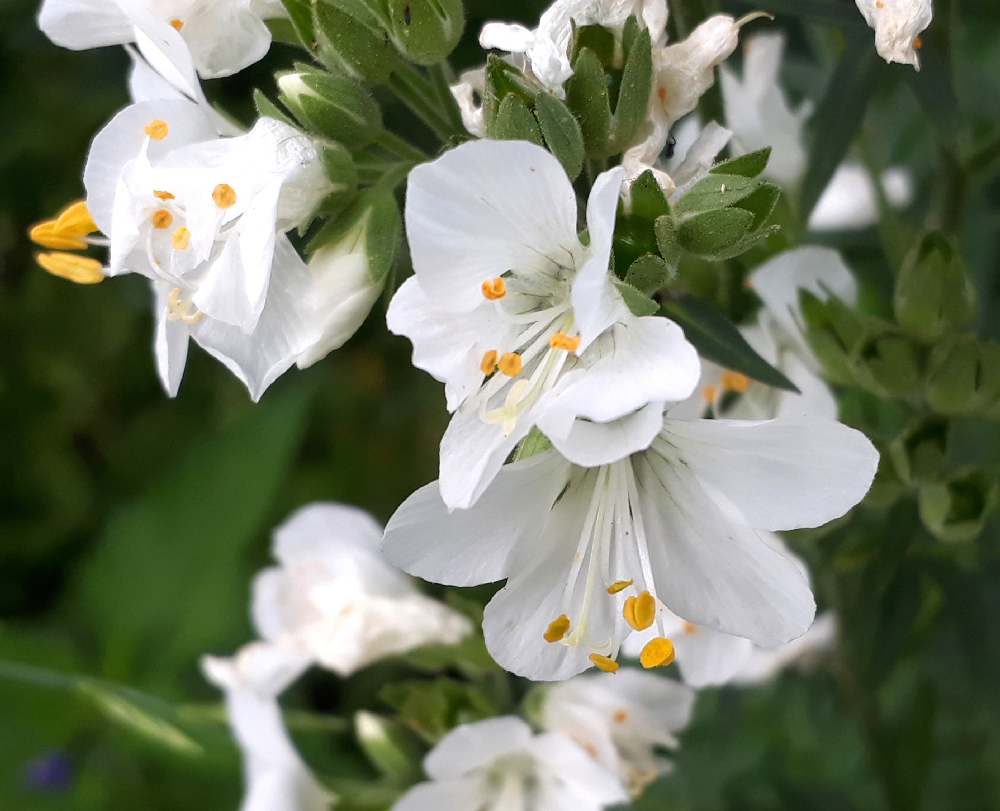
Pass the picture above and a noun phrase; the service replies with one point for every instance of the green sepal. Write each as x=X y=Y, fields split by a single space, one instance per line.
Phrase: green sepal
x=561 y=132
x=670 y=249
x=636 y=85
x=514 y=122
x=352 y=39
x=390 y=746
x=956 y=510
x=761 y=203
x=934 y=294
x=639 y=303
x=717 y=340
x=434 y=708
x=587 y=97
x=887 y=365
x=502 y=80
x=376 y=210
x=833 y=331
x=713 y=234
x=920 y=453
x=425 y=31
x=334 y=107
x=342 y=173
x=269 y=109
x=599 y=40
x=648 y=200
x=648 y=274
x=963 y=377
x=534 y=443
x=749 y=165
x=300 y=14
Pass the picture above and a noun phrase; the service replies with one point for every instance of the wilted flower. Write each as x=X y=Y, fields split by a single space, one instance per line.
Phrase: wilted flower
x=898 y=25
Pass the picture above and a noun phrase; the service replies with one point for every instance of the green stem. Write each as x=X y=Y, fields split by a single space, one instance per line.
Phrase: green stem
x=400 y=147
x=413 y=89
x=956 y=186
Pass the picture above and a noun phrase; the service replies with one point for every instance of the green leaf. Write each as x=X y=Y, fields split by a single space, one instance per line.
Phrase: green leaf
x=749 y=165
x=266 y=107
x=168 y=580
x=934 y=294
x=514 y=122
x=717 y=340
x=433 y=708
x=666 y=241
x=647 y=274
x=390 y=746
x=648 y=200
x=301 y=15
x=839 y=115
x=711 y=233
x=636 y=301
x=597 y=39
x=715 y=192
x=636 y=85
x=761 y=202
x=352 y=40
x=502 y=80
x=562 y=133
x=336 y=107
x=587 y=98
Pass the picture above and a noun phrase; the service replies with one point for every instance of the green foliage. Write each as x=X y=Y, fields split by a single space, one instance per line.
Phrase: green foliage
x=334 y=107
x=425 y=31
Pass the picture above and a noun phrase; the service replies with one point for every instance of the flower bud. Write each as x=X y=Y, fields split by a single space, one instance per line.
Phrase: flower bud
x=963 y=376
x=934 y=294
x=351 y=38
x=334 y=107
x=426 y=31
x=920 y=453
x=955 y=511
x=388 y=745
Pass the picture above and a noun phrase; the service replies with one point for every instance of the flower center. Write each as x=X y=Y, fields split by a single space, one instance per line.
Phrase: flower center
x=180 y=310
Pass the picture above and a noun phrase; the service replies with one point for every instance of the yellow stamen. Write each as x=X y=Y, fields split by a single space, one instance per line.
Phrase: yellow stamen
x=709 y=393
x=879 y=4
x=79 y=269
x=76 y=219
x=156 y=129
x=620 y=716
x=489 y=362
x=562 y=341
x=640 y=612
x=557 y=629
x=657 y=653
x=918 y=43
x=46 y=235
x=604 y=663
x=510 y=364
x=224 y=195
x=177 y=25
x=163 y=195
x=181 y=239
x=734 y=381
x=494 y=289
x=162 y=219
x=619 y=585
x=690 y=628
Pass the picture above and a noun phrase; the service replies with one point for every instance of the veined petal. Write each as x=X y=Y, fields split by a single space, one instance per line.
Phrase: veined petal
x=484 y=208
x=224 y=38
x=469 y=547
x=473 y=745
x=709 y=565
x=780 y=474
x=82 y=24
x=590 y=444
x=592 y=785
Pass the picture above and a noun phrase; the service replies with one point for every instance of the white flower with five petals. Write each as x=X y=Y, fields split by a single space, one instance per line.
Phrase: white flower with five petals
x=898 y=25
x=591 y=553
x=498 y=764
x=520 y=319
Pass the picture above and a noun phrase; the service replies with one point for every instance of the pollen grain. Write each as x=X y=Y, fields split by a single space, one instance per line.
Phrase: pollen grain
x=562 y=341
x=162 y=219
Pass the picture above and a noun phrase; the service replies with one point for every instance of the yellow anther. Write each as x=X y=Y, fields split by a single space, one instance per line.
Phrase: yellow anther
x=76 y=219
x=658 y=652
x=734 y=381
x=689 y=628
x=620 y=716
x=177 y=25
x=224 y=195
x=46 y=235
x=510 y=364
x=918 y=43
x=562 y=341
x=156 y=129
x=557 y=629
x=489 y=362
x=163 y=195
x=162 y=219
x=709 y=393
x=604 y=663
x=879 y=4
x=494 y=289
x=619 y=585
x=79 y=269
x=640 y=612
x=181 y=239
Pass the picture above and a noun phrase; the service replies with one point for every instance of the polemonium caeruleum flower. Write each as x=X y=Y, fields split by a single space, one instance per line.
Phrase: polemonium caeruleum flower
x=519 y=317
x=498 y=764
x=898 y=25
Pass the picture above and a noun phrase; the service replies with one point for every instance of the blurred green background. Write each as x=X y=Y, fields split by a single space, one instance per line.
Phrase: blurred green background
x=130 y=524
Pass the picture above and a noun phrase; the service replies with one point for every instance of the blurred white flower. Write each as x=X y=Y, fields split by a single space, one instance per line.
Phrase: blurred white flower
x=620 y=719
x=898 y=25
x=275 y=776
x=336 y=601
x=850 y=199
x=471 y=83
x=499 y=764
x=520 y=319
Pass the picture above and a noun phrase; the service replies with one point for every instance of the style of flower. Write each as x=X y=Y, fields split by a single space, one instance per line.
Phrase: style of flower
x=334 y=600
x=592 y=553
x=546 y=49
x=222 y=37
x=520 y=319
x=274 y=774
x=620 y=720
x=498 y=764
x=898 y=25
x=203 y=218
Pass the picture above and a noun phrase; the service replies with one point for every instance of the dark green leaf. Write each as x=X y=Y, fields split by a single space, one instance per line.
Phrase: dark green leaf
x=301 y=15
x=636 y=85
x=648 y=201
x=635 y=300
x=761 y=202
x=514 y=122
x=749 y=165
x=562 y=133
x=587 y=97
x=715 y=192
x=711 y=233
x=266 y=107
x=647 y=274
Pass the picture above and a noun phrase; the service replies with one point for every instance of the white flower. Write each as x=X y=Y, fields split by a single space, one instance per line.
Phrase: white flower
x=498 y=764
x=469 y=84
x=336 y=601
x=203 y=218
x=222 y=36
x=519 y=319
x=850 y=200
x=763 y=665
x=897 y=24
x=546 y=49
x=590 y=554
x=275 y=775
x=619 y=719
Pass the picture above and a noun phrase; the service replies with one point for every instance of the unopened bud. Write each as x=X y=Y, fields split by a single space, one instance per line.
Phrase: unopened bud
x=334 y=107
x=955 y=511
x=963 y=376
x=426 y=31
x=934 y=294
x=355 y=42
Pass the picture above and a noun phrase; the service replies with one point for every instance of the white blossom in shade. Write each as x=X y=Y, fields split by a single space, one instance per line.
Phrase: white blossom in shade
x=498 y=764
x=221 y=36
x=620 y=719
x=275 y=776
x=676 y=525
x=850 y=200
x=758 y=114
x=336 y=601
x=763 y=665
x=898 y=25
x=203 y=218
x=470 y=84
x=546 y=49
x=520 y=319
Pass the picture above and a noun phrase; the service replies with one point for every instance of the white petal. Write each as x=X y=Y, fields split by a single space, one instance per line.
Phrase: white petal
x=225 y=38
x=848 y=202
x=145 y=84
x=166 y=51
x=764 y=665
x=780 y=474
x=710 y=566
x=483 y=208
x=469 y=547
x=708 y=657
x=464 y=794
x=897 y=24
x=81 y=24
x=511 y=38
x=473 y=745
x=324 y=531
x=590 y=783
x=700 y=157
x=170 y=344
x=590 y=444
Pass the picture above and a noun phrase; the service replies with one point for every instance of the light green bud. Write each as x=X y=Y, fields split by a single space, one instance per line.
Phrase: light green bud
x=335 y=107
x=955 y=511
x=934 y=294
x=425 y=31
x=388 y=746
x=963 y=376
x=920 y=454
x=887 y=365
